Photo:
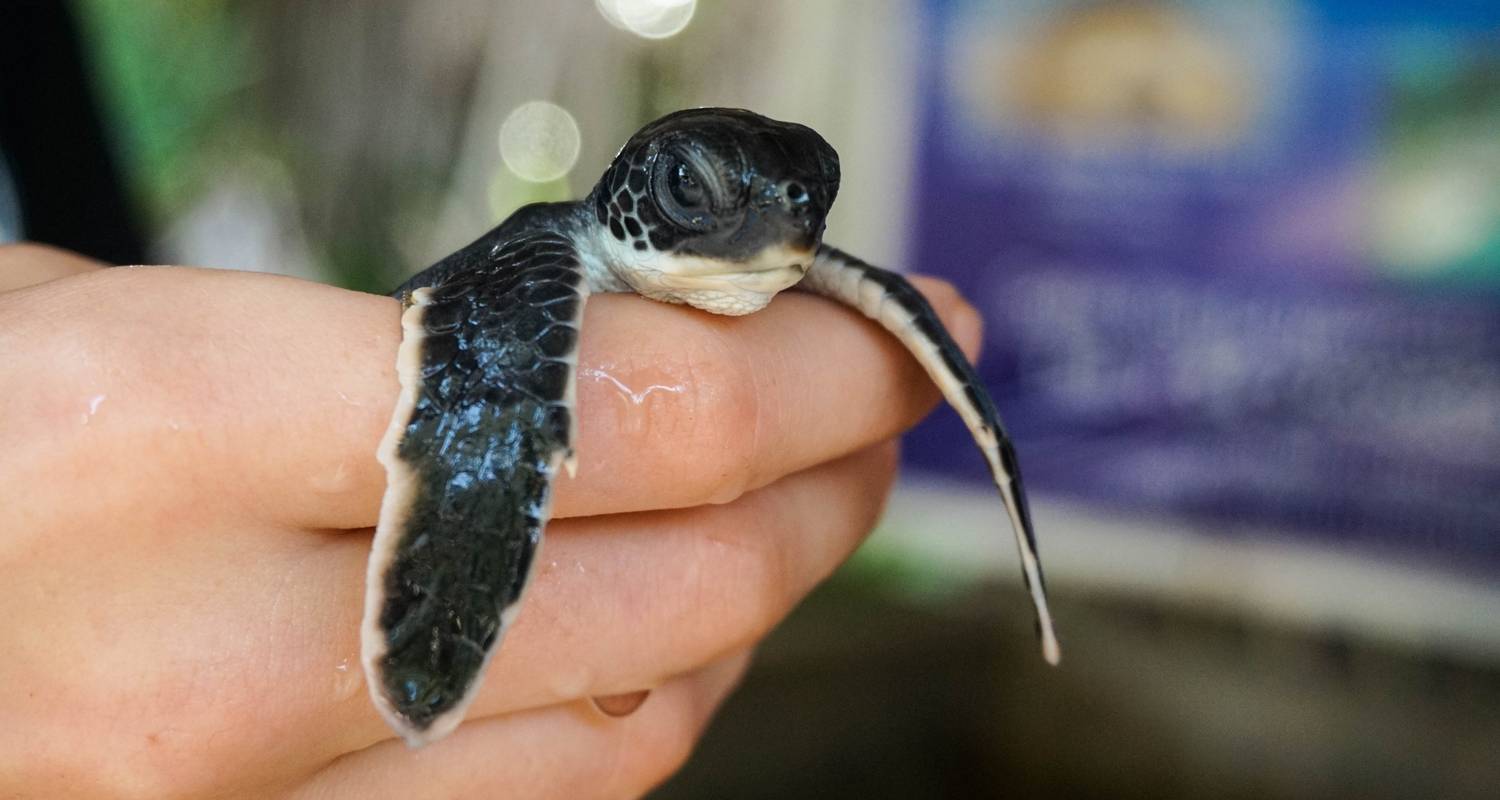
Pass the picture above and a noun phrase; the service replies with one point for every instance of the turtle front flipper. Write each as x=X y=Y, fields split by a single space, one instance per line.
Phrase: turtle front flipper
x=891 y=300
x=484 y=419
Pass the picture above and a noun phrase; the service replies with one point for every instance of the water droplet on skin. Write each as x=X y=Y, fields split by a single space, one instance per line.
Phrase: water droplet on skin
x=631 y=408
x=346 y=679
x=333 y=483
x=636 y=398
x=621 y=705
x=94 y=403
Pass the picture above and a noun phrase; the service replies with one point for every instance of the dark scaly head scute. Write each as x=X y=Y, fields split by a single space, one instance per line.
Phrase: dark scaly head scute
x=718 y=183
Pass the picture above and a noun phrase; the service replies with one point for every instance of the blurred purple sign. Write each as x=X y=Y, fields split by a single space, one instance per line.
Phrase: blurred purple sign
x=1239 y=260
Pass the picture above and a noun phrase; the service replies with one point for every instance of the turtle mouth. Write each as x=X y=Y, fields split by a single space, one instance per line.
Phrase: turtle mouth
x=766 y=280
x=721 y=285
x=768 y=259
x=778 y=265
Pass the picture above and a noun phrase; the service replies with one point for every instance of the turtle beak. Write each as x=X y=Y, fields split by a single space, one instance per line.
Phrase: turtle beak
x=792 y=211
x=809 y=171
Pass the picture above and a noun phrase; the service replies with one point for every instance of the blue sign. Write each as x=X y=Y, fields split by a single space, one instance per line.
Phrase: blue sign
x=1239 y=261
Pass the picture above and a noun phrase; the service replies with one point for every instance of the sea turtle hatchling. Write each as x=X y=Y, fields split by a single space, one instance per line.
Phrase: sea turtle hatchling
x=719 y=209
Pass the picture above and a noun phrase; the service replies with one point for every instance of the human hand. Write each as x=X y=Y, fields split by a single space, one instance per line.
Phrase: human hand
x=187 y=461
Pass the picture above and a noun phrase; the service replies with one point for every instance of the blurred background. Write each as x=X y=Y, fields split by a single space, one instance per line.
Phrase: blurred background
x=1240 y=264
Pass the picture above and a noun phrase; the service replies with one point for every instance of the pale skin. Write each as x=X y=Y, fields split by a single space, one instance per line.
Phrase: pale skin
x=189 y=481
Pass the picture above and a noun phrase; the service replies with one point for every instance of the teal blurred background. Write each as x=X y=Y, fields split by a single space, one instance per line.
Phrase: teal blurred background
x=1241 y=266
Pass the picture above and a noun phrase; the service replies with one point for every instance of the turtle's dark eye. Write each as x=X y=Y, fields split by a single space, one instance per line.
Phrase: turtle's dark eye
x=683 y=195
x=685 y=188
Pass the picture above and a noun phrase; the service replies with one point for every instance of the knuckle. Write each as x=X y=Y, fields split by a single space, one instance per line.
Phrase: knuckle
x=741 y=581
x=750 y=562
x=727 y=423
x=726 y=585
x=692 y=412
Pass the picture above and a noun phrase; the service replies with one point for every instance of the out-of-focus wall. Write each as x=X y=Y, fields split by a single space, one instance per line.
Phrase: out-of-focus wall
x=359 y=142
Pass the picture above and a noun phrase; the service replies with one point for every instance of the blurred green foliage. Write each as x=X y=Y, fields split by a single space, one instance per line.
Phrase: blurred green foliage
x=172 y=75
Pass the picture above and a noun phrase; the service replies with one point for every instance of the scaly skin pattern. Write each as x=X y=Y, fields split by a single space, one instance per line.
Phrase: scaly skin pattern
x=719 y=209
x=486 y=418
x=892 y=301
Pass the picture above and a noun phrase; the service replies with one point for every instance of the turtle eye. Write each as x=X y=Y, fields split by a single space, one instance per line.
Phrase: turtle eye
x=685 y=188
x=683 y=195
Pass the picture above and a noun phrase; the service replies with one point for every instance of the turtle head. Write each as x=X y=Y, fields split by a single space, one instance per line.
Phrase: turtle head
x=717 y=208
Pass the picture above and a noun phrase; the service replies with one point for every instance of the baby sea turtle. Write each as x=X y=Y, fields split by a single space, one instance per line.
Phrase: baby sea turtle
x=716 y=208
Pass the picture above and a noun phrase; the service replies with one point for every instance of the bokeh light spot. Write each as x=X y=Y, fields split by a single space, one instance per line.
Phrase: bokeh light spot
x=539 y=141
x=650 y=19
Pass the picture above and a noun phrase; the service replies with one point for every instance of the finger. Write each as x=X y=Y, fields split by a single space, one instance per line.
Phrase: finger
x=211 y=393
x=617 y=604
x=28 y=264
x=218 y=646
x=273 y=393
x=708 y=407
x=560 y=751
x=622 y=602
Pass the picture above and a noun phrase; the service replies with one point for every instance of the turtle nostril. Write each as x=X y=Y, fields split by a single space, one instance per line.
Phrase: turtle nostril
x=795 y=192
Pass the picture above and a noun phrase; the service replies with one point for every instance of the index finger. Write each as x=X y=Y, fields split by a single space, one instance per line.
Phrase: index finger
x=274 y=392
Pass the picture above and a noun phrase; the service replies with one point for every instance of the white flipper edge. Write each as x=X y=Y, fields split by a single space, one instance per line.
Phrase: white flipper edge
x=889 y=299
